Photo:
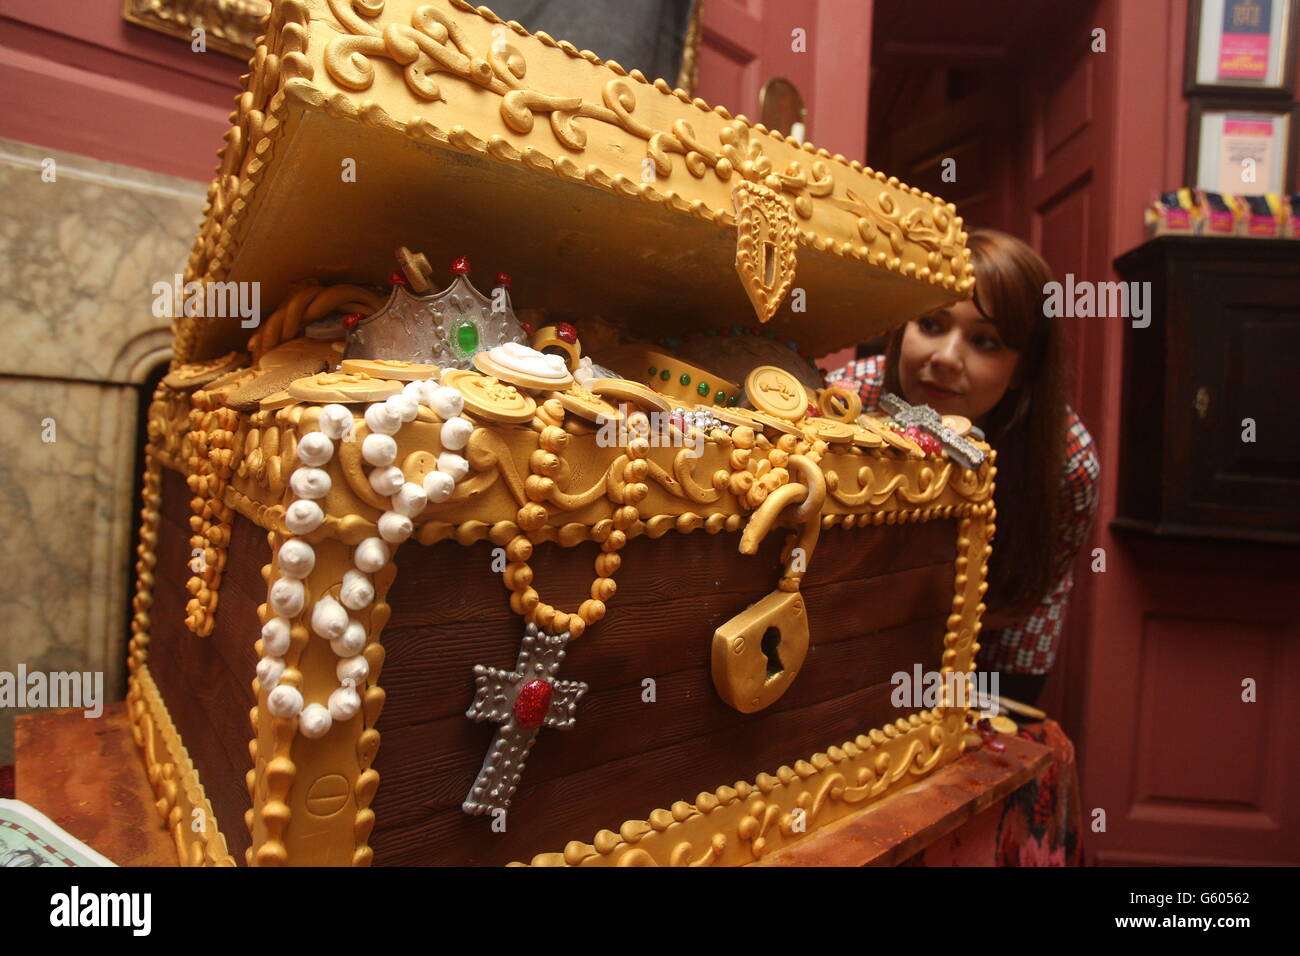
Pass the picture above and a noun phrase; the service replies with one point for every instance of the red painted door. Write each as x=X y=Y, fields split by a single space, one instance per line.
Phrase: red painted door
x=822 y=46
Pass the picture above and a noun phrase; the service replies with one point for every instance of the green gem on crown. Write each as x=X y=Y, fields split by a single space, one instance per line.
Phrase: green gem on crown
x=653 y=371
x=719 y=397
x=703 y=388
x=465 y=338
x=685 y=379
x=665 y=374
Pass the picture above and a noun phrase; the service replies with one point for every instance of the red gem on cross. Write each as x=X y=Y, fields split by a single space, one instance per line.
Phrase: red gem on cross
x=350 y=320
x=397 y=278
x=503 y=278
x=566 y=332
x=460 y=267
x=532 y=703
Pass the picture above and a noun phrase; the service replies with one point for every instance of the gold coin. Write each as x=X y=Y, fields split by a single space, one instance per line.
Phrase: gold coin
x=866 y=438
x=486 y=364
x=196 y=374
x=893 y=439
x=732 y=416
x=958 y=423
x=832 y=431
x=343 y=387
x=1004 y=725
x=622 y=390
x=392 y=369
x=587 y=406
x=776 y=392
x=778 y=424
x=489 y=399
x=277 y=400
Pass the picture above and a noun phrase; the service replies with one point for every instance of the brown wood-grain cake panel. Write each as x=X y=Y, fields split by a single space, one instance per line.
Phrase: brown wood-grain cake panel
x=205 y=682
x=616 y=722
x=878 y=599
x=545 y=817
x=439 y=632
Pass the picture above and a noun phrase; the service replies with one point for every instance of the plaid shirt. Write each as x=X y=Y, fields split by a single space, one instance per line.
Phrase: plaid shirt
x=1030 y=646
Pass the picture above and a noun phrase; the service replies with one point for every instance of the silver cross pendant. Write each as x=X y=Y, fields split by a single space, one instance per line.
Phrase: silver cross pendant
x=522 y=701
x=928 y=420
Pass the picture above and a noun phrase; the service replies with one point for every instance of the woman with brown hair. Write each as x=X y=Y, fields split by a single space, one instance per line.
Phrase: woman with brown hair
x=997 y=359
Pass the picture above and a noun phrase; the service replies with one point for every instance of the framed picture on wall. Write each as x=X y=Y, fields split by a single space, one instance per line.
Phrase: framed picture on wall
x=1242 y=46
x=1235 y=148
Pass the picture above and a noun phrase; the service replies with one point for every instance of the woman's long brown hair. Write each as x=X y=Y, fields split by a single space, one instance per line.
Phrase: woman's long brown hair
x=1027 y=427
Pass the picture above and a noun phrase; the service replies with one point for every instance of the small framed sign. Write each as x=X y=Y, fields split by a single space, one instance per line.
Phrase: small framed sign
x=1241 y=46
x=1239 y=150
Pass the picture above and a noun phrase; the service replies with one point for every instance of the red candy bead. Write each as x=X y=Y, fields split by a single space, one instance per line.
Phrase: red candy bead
x=532 y=704
x=566 y=332
x=502 y=277
x=397 y=278
x=350 y=320
x=460 y=267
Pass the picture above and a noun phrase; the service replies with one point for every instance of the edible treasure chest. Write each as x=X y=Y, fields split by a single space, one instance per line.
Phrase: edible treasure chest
x=519 y=527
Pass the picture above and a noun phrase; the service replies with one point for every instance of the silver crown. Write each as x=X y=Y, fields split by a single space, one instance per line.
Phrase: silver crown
x=444 y=328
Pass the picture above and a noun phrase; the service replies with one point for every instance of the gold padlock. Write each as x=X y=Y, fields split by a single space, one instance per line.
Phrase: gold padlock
x=758 y=653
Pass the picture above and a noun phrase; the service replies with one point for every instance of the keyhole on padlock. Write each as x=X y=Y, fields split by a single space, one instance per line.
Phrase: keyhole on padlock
x=771 y=650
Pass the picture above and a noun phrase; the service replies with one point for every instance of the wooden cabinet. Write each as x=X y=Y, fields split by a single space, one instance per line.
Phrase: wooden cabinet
x=1210 y=437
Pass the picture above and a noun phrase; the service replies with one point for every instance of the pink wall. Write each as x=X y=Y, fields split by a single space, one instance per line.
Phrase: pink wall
x=79 y=78
x=1185 y=771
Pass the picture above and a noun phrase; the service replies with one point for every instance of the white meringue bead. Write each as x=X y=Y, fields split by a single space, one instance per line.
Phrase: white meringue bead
x=352 y=642
x=455 y=433
x=405 y=406
x=453 y=464
x=354 y=670
x=303 y=516
x=315 y=721
x=310 y=483
x=387 y=480
x=344 y=703
x=275 y=637
x=336 y=421
x=447 y=402
x=371 y=555
x=287 y=597
x=356 y=593
x=438 y=485
x=269 y=672
x=296 y=558
x=395 y=528
x=284 y=701
x=383 y=418
x=415 y=391
x=410 y=499
x=378 y=450
x=329 y=619
x=315 y=449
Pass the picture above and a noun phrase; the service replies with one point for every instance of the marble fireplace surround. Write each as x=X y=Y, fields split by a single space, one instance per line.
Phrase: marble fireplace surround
x=81 y=255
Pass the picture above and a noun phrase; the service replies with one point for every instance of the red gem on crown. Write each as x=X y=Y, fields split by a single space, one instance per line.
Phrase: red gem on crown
x=527 y=327
x=397 y=278
x=566 y=332
x=532 y=704
x=351 y=319
x=503 y=278
x=460 y=267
